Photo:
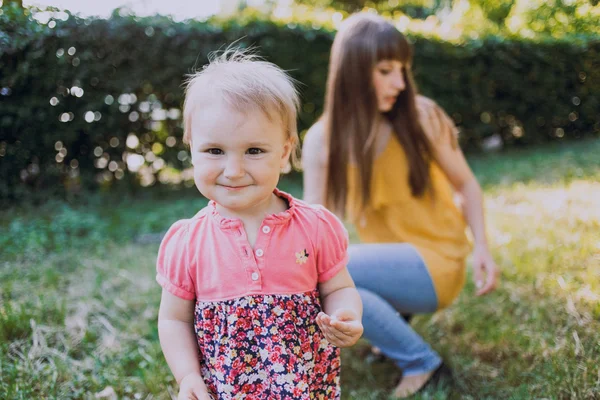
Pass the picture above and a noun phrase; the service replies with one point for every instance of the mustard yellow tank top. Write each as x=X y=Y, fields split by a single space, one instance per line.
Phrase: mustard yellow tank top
x=433 y=224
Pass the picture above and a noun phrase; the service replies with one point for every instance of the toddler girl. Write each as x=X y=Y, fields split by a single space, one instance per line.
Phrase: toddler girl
x=256 y=297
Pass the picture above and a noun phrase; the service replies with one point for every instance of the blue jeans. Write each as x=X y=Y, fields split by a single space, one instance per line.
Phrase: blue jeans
x=392 y=279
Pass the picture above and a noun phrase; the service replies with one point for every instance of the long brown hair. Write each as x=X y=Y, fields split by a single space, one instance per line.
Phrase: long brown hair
x=351 y=109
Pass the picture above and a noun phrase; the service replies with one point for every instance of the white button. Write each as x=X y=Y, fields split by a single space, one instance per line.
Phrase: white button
x=254 y=276
x=259 y=252
x=266 y=229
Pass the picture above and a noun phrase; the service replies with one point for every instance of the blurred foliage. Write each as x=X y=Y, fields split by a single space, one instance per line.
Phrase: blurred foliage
x=88 y=103
x=412 y=8
x=346 y=5
x=557 y=18
x=524 y=18
x=7 y=3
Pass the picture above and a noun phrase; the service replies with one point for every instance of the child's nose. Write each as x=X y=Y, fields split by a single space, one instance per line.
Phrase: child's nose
x=234 y=168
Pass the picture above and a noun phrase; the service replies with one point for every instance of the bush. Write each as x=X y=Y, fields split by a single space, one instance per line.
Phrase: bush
x=85 y=103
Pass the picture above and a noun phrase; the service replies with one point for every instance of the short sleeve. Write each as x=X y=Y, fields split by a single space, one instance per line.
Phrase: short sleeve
x=438 y=126
x=332 y=245
x=172 y=264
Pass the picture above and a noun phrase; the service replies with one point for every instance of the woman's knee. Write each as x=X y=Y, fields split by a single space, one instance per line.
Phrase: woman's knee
x=368 y=297
x=379 y=261
x=373 y=303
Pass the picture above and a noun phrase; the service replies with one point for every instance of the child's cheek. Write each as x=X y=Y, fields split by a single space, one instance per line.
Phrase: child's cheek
x=195 y=158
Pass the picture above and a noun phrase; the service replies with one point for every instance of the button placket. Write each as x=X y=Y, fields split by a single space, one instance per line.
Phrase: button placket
x=249 y=263
x=258 y=253
x=254 y=277
x=262 y=245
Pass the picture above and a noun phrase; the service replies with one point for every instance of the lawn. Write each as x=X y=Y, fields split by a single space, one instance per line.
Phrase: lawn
x=78 y=300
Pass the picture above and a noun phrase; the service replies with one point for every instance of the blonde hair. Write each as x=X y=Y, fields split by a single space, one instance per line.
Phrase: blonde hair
x=245 y=82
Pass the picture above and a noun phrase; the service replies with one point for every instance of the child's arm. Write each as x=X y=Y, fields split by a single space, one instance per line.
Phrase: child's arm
x=341 y=320
x=178 y=343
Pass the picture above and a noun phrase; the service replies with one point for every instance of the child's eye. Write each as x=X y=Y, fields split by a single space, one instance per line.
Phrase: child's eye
x=214 y=152
x=384 y=71
x=255 y=151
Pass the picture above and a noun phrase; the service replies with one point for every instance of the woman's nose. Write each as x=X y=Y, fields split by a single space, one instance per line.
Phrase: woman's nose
x=398 y=81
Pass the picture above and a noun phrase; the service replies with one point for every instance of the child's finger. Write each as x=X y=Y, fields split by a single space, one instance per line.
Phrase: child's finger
x=340 y=325
x=326 y=329
x=348 y=328
x=333 y=340
x=339 y=336
x=352 y=334
x=346 y=336
x=327 y=332
x=325 y=318
x=321 y=325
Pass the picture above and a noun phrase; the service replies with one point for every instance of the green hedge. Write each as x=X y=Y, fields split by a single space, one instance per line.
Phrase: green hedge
x=122 y=73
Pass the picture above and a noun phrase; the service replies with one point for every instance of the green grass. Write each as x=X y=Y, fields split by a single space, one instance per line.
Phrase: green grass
x=78 y=300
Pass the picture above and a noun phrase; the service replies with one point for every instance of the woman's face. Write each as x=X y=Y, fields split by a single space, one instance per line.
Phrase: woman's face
x=388 y=80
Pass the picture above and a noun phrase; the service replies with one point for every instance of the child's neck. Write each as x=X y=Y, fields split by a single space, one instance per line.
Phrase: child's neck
x=253 y=218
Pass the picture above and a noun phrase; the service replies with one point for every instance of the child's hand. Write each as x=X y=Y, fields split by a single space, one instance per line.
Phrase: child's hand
x=342 y=329
x=192 y=387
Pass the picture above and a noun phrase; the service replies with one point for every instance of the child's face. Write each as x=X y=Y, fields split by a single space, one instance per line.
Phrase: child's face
x=237 y=157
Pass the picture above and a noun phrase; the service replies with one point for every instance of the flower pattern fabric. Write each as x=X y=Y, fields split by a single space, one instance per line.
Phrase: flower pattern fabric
x=262 y=347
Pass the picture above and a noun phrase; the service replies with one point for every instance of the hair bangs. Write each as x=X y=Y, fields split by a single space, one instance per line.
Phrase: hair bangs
x=392 y=45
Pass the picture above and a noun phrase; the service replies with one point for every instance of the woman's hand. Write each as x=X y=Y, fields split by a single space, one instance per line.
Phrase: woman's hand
x=485 y=272
x=192 y=387
x=342 y=329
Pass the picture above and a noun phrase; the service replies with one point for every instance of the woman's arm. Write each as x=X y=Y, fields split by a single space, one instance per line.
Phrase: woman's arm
x=341 y=321
x=486 y=273
x=450 y=158
x=314 y=165
x=178 y=343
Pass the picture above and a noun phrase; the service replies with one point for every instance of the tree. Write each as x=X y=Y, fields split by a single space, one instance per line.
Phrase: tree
x=413 y=8
x=9 y=3
x=346 y=5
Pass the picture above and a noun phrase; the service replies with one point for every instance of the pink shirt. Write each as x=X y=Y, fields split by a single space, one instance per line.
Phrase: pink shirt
x=208 y=257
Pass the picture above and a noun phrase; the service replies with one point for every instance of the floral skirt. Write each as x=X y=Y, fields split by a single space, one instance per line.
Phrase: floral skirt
x=266 y=347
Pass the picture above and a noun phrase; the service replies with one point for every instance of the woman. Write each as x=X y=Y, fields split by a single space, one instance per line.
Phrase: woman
x=388 y=160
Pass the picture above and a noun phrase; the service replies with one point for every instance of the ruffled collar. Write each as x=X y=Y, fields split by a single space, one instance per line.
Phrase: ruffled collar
x=271 y=219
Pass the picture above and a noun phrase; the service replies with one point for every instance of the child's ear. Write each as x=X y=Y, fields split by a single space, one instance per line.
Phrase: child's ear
x=287 y=151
